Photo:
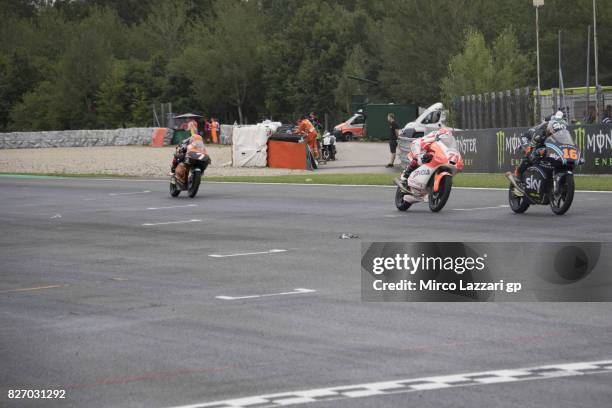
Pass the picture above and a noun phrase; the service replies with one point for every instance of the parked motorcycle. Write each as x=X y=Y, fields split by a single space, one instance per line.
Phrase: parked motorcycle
x=433 y=180
x=328 y=147
x=188 y=173
x=550 y=178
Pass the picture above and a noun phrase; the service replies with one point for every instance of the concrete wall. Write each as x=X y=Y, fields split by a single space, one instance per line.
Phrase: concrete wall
x=79 y=138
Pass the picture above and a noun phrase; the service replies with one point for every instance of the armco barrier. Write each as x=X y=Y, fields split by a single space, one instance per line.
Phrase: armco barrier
x=84 y=138
x=499 y=150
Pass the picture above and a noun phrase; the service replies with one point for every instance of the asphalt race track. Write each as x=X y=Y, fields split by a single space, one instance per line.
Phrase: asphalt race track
x=125 y=297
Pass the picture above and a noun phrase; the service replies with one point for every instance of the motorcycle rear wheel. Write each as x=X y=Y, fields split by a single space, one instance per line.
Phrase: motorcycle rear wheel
x=400 y=204
x=561 y=203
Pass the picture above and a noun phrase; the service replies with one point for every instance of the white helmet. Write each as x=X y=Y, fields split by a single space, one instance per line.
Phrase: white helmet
x=556 y=123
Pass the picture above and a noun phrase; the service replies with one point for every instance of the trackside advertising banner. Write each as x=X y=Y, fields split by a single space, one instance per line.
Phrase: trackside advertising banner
x=499 y=150
x=486 y=272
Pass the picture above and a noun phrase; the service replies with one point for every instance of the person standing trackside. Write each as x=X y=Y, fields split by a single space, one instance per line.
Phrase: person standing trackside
x=309 y=132
x=214 y=130
x=393 y=135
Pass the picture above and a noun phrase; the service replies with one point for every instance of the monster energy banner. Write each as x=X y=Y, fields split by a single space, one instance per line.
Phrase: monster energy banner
x=499 y=150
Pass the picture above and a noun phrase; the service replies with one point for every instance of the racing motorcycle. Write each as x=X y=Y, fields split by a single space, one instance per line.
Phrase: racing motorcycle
x=188 y=173
x=549 y=179
x=328 y=147
x=432 y=181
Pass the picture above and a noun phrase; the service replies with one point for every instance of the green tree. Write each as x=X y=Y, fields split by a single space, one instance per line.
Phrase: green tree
x=471 y=71
x=164 y=30
x=18 y=75
x=38 y=110
x=347 y=87
x=225 y=60
x=512 y=68
x=114 y=98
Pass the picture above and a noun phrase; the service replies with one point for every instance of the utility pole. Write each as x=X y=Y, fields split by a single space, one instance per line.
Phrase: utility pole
x=588 y=68
x=597 y=91
x=561 y=85
x=537 y=4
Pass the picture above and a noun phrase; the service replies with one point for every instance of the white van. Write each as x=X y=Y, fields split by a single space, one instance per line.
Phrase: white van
x=433 y=118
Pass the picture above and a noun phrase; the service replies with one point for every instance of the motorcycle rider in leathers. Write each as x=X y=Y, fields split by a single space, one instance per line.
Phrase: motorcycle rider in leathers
x=424 y=155
x=533 y=141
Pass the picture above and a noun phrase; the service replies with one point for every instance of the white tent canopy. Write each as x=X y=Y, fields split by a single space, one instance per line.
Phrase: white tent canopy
x=250 y=144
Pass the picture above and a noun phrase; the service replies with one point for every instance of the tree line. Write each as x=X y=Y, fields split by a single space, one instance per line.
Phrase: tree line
x=78 y=64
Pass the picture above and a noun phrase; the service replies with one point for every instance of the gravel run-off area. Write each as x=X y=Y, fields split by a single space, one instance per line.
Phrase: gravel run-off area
x=154 y=162
x=140 y=161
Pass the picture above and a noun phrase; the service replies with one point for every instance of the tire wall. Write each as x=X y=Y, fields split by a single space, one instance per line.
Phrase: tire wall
x=81 y=138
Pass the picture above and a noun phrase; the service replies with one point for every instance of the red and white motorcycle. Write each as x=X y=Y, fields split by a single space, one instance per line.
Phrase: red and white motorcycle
x=433 y=180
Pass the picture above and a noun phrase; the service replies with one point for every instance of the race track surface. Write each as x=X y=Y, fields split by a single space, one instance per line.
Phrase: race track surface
x=126 y=297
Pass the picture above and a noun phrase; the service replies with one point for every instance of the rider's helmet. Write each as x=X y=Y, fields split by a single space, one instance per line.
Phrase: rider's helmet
x=556 y=123
x=441 y=132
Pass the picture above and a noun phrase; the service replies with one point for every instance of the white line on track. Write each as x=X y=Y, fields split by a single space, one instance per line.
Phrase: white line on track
x=482 y=208
x=271 y=251
x=31 y=289
x=131 y=193
x=296 y=291
x=172 y=206
x=169 y=222
x=411 y=385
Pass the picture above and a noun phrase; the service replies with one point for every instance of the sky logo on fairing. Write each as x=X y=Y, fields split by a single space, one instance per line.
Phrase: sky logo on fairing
x=533 y=184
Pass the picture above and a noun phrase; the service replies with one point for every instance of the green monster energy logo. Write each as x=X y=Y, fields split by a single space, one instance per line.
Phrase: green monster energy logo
x=501 y=137
x=580 y=134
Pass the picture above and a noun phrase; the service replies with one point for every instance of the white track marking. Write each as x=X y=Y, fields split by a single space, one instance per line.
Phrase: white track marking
x=169 y=222
x=296 y=291
x=56 y=216
x=411 y=385
x=172 y=206
x=31 y=289
x=481 y=208
x=271 y=251
x=134 y=192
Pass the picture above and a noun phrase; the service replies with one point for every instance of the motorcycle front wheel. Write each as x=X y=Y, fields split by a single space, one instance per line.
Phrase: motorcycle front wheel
x=518 y=204
x=560 y=203
x=174 y=190
x=326 y=154
x=438 y=200
x=400 y=204
x=195 y=184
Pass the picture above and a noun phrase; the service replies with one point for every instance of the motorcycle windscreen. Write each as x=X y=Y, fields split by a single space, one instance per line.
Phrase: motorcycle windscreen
x=449 y=141
x=562 y=137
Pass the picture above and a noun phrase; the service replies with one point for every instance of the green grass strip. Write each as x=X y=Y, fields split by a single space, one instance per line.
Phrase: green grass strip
x=596 y=183
x=483 y=180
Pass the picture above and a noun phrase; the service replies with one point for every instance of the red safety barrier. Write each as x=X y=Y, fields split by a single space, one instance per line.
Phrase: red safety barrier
x=287 y=155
